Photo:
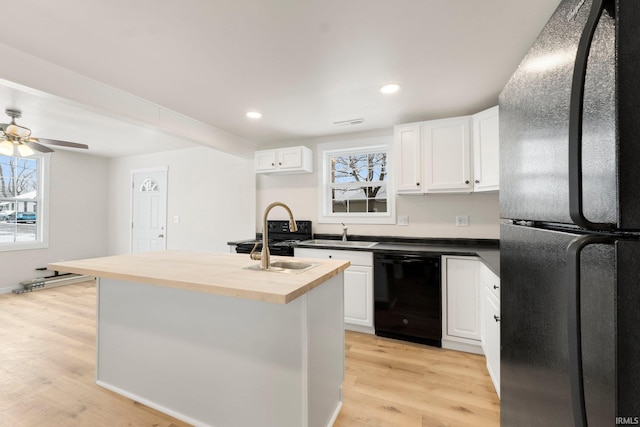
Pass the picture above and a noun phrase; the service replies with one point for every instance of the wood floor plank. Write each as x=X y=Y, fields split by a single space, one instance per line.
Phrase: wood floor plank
x=47 y=374
x=395 y=383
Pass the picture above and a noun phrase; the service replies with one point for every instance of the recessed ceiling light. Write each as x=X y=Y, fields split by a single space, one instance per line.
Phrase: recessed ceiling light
x=254 y=114
x=390 y=88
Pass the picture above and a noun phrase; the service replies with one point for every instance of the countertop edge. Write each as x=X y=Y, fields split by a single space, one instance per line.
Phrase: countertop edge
x=488 y=255
x=316 y=278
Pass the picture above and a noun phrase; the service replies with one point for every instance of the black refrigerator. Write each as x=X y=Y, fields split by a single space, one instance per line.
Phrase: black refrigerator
x=570 y=228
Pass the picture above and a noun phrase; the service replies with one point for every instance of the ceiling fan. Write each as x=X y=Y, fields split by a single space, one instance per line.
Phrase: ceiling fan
x=15 y=138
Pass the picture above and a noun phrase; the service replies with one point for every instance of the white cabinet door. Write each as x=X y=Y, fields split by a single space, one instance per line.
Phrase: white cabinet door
x=358 y=285
x=265 y=160
x=491 y=336
x=290 y=158
x=446 y=156
x=463 y=298
x=358 y=307
x=486 y=140
x=408 y=162
x=284 y=160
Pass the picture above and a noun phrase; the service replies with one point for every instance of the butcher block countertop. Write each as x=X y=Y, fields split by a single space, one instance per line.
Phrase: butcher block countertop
x=221 y=274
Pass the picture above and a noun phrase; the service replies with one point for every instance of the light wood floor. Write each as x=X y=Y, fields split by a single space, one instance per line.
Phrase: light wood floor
x=47 y=374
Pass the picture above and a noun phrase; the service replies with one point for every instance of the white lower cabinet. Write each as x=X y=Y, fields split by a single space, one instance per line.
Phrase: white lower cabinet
x=461 y=304
x=491 y=324
x=358 y=285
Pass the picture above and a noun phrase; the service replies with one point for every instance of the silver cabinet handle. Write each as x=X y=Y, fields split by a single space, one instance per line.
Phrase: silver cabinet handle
x=160 y=235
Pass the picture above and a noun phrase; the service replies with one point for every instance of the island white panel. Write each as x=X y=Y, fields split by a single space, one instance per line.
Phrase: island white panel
x=326 y=351
x=220 y=361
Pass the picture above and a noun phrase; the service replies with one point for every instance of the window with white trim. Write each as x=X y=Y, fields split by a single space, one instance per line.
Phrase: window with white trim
x=355 y=185
x=22 y=202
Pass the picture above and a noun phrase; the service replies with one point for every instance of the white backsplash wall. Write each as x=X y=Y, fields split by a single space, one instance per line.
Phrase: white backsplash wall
x=429 y=215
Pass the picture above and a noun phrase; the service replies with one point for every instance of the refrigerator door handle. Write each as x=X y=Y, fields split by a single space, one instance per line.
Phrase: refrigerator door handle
x=574 y=327
x=575 y=122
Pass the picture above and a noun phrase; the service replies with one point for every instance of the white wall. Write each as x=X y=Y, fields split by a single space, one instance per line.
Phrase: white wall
x=212 y=192
x=429 y=215
x=77 y=218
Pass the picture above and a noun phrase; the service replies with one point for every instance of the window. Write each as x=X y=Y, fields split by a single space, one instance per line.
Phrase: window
x=356 y=185
x=21 y=202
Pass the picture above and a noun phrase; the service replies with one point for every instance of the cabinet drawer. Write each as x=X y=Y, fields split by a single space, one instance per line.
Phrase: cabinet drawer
x=356 y=257
x=490 y=280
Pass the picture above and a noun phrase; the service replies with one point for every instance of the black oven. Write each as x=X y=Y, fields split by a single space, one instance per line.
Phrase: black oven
x=408 y=299
x=281 y=239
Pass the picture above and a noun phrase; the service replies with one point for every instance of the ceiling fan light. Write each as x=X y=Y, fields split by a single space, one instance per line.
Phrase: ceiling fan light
x=18 y=131
x=6 y=148
x=24 y=150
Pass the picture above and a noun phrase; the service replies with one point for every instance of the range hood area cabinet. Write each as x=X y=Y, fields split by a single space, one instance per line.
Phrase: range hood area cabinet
x=287 y=160
x=455 y=155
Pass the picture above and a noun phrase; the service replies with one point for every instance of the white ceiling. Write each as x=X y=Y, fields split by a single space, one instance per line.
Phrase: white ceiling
x=303 y=63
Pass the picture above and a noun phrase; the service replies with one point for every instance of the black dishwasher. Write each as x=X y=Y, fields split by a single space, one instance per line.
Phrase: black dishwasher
x=407 y=295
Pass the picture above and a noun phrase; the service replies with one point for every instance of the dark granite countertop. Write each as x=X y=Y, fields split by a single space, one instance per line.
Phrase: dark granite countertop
x=488 y=250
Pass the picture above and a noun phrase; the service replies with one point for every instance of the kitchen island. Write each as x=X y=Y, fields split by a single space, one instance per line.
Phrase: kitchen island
x=210 y=341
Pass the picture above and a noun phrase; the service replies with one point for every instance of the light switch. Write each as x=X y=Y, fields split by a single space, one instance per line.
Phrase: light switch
x=176 y=219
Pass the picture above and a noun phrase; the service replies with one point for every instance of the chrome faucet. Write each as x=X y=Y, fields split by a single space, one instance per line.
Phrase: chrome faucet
x=264 y=255
x=344 y=232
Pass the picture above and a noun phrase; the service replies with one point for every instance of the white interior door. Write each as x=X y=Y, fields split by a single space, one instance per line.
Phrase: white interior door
x=149 y=210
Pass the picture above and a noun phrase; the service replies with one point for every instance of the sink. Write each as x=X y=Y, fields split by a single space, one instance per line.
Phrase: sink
x=294 y=267
x=291 y=265
x=339 y=243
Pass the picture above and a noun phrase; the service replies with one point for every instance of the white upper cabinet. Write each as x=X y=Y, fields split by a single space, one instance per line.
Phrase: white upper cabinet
x=485 y=150
x=446 y=156
x=433 y=157
x=408 y=161
x=284 y=160
x=456 y=155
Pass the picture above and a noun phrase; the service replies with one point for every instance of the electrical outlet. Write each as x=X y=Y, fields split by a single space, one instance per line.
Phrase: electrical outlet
x=462 y=220
x=403 y=219
x=176 y=219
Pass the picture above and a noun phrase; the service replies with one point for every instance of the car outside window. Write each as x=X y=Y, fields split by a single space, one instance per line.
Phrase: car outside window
x=21 y=196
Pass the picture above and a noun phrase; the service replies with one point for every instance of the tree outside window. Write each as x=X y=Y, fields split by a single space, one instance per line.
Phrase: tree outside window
x=356 y=182
x=19 y=196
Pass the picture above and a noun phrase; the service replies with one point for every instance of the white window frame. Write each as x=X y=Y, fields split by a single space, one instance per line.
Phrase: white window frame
x=42 y=213
x=325 y=152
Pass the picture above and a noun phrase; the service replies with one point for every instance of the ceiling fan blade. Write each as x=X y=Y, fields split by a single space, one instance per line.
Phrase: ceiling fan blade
x=61 y=143
x=37 y=147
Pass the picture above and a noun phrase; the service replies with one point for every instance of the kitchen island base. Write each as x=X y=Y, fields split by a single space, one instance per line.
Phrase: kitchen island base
x=220 y=361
